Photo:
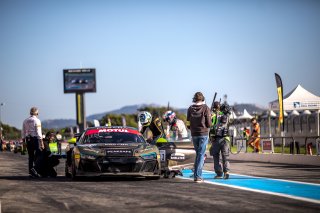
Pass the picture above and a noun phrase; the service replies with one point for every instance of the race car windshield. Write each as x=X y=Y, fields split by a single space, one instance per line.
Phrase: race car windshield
x=113 y=137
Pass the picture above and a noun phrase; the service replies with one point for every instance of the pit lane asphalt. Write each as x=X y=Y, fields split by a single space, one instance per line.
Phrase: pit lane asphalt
x=19 y=193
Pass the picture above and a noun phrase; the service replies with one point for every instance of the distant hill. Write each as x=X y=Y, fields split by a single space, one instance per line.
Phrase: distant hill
x=251 y=108
x=61 y=123
x=131 y=109
x=58 y=123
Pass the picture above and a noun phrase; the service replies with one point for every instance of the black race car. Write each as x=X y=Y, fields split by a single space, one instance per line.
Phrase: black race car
x=112 y=151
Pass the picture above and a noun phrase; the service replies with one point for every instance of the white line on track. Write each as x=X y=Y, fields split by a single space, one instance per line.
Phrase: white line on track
x=283 y=180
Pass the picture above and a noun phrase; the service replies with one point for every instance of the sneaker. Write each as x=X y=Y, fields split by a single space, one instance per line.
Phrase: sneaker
x=198 y=180
x=218 y=177
x=34 y=173
x=226 y=175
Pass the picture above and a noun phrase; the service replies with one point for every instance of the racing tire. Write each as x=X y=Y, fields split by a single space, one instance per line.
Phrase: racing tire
x=67 y=173
x=157 y=174
x=172 y=175
x=166 y=174
x=73 y=172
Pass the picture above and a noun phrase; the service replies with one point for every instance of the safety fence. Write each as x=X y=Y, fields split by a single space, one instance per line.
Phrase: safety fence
x=288 y=144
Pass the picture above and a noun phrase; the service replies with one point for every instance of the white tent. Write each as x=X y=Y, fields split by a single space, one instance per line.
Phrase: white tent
x=270 y=113
x=294 y=113
x=245 y=115
x=298 y=99
x=233 y=115
x=273 y=114
x=306 y=112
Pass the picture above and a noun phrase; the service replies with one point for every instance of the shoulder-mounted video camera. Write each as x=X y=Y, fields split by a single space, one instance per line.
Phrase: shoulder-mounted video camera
x=225 y=109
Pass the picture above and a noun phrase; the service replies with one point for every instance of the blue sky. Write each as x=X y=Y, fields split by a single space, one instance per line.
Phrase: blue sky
x=154 y=52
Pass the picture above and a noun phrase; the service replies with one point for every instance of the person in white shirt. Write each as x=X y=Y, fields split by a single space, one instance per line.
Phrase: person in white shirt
x=176 y=125
x=32 y=135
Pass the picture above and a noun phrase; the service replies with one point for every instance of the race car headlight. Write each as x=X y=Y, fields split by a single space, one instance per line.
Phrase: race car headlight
x=87 y=157
x=149 y=156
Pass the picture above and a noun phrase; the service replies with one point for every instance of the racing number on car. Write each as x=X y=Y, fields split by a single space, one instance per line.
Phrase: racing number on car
x=162 y=155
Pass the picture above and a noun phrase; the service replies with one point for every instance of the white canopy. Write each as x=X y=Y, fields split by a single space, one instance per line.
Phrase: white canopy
x=294 y=113
x=233 y=115
x=245 y=115
x=273 y=114
x=306 y=112
x=298 y=99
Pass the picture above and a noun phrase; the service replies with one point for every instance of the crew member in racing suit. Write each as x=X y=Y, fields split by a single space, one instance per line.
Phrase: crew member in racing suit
x=219 y=136
x=254 y=140
x=153 y=123
x=176 y=125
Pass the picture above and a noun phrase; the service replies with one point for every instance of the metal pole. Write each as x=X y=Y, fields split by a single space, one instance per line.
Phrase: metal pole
x=318 y=134
x=0 y=120
x=269 y=124
x=80 y=109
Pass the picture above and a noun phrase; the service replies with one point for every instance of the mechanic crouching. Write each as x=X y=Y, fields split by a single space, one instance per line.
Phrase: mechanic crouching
x=49 y=158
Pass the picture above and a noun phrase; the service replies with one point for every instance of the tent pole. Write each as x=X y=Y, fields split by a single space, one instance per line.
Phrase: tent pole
x=269 y=123
x=318 y=123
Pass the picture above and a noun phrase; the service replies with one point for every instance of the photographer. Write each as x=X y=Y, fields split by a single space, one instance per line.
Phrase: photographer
x=219 y=136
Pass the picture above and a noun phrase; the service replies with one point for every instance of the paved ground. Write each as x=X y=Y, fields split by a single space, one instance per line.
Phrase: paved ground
x=19 y=193
x=301 y=173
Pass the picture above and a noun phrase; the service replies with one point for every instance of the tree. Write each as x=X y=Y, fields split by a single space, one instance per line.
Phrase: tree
x=116 y=120
x=10 y=133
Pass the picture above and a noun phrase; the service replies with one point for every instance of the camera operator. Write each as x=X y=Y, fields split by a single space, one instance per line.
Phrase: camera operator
x=219 y=136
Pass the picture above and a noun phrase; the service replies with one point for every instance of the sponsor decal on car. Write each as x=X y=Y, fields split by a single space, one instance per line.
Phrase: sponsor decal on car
x=162 y=155
x=121 y=130
x=118 y=151
x=177 y=156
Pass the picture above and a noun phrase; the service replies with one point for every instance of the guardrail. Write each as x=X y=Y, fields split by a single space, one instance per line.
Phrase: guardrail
x=293 y=142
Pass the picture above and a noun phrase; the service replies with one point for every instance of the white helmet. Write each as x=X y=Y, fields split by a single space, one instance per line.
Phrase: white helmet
x=145 y=118
x=169 y=116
